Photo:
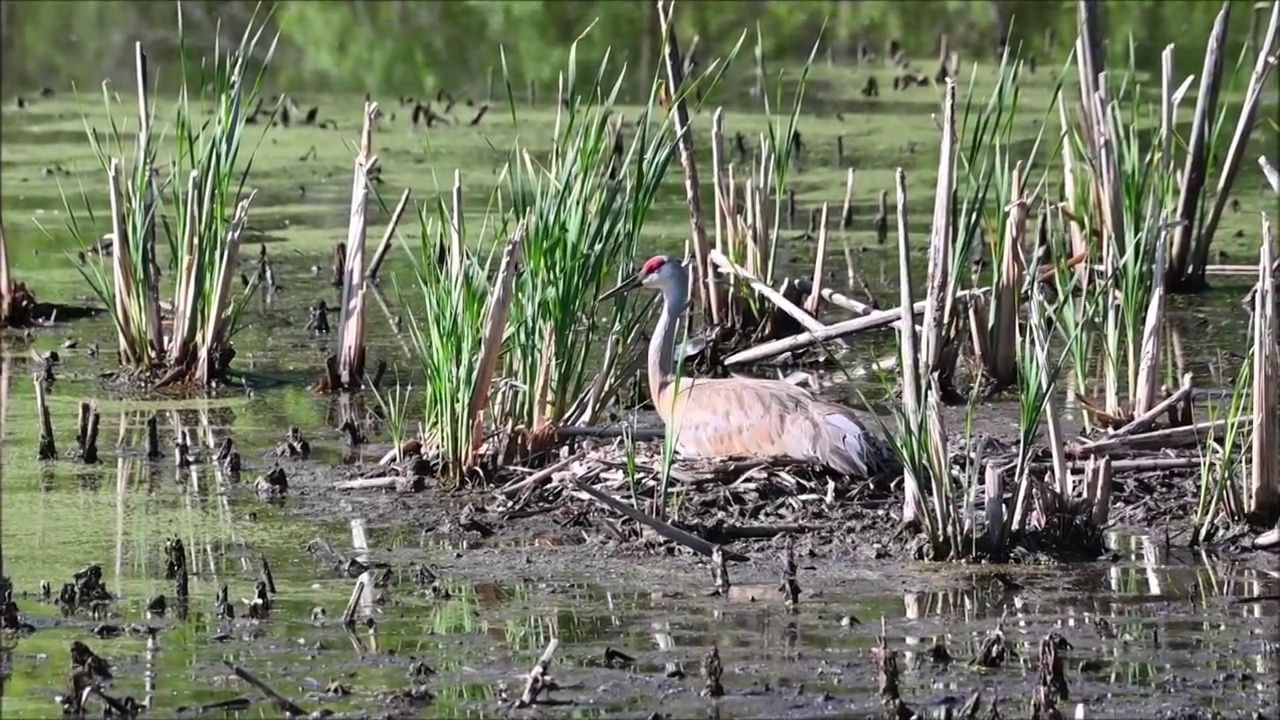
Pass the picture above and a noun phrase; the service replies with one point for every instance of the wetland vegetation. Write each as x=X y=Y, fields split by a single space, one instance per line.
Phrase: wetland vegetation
x=341 y=354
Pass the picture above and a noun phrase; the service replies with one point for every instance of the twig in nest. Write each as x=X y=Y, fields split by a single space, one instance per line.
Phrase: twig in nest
x=667 y=530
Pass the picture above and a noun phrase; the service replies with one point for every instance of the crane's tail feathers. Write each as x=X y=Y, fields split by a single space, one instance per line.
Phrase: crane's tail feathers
x=854 y=449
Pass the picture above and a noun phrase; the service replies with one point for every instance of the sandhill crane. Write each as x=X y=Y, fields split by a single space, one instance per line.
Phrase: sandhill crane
x=716 y=417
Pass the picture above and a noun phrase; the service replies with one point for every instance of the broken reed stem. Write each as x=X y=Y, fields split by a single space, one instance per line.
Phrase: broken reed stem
x=353 y=602
x=185 y=293
x=846 y=212
x=937 y=308
x=815 y=293
x=384 y=245
x=351 y=324
x=913 y=507
x=6 y=283
x=1005 y=303
x=4 y=390
x=48 y=450
x=993 y=492
x=1263 y=65
x=495 y=325
x=150 y=268
x=1195 y=168
x=456 y=254
x=1149 y=364
x=1142 y=421
x=807 y=321
x=724 y=211
x=87 y=434
x=703 y=278
x=213 y=340
x=1264 y=488
x=120 y=267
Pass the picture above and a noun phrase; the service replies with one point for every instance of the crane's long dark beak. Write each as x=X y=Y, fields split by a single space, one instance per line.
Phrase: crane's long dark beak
x=630 y=284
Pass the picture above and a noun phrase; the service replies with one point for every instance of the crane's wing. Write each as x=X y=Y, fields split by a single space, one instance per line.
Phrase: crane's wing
x=741 y=416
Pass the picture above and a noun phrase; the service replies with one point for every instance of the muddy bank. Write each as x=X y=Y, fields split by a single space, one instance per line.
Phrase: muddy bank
x=747 y=506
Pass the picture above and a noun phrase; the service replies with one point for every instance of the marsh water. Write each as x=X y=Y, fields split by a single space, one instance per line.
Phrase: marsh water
x=1154 y=629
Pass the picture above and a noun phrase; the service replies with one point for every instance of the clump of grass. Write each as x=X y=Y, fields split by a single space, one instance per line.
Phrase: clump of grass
x=580 y=211
x=200 y=208
x=585 y=205
x=454 y=285
x=395 y=412
x=988 y=216
x=1239 y=478
x=1221 y=492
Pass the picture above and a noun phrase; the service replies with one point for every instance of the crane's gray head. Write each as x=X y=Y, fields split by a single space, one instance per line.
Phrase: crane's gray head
x=659 y=272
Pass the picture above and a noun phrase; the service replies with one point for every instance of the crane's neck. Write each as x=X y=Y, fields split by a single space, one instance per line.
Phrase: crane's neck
x=662 y=346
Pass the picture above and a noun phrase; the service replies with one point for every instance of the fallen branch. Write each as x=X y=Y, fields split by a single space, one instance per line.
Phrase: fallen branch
x=667 y=530
x=873 y=321
x=729 y=267
x=1156 y=439
x=1144 y=420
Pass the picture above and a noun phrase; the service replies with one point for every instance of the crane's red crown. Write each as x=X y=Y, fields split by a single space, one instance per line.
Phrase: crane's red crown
x=652 y=265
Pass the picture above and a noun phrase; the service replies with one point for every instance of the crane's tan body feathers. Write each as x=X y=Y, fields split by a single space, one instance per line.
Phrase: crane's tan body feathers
x=763 y=418
x=744 y=416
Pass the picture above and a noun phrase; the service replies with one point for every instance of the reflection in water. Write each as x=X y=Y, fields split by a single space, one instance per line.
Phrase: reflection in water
x=1157 y=619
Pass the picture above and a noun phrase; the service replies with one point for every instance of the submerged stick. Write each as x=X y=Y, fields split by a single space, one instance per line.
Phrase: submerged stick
x=89 y=443
x=153 y=437
x=278 y=701
x=384 y=245
x=536 y=682
x=48 y=450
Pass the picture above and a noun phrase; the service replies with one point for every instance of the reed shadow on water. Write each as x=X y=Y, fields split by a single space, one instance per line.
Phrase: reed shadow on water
x=427 y=477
